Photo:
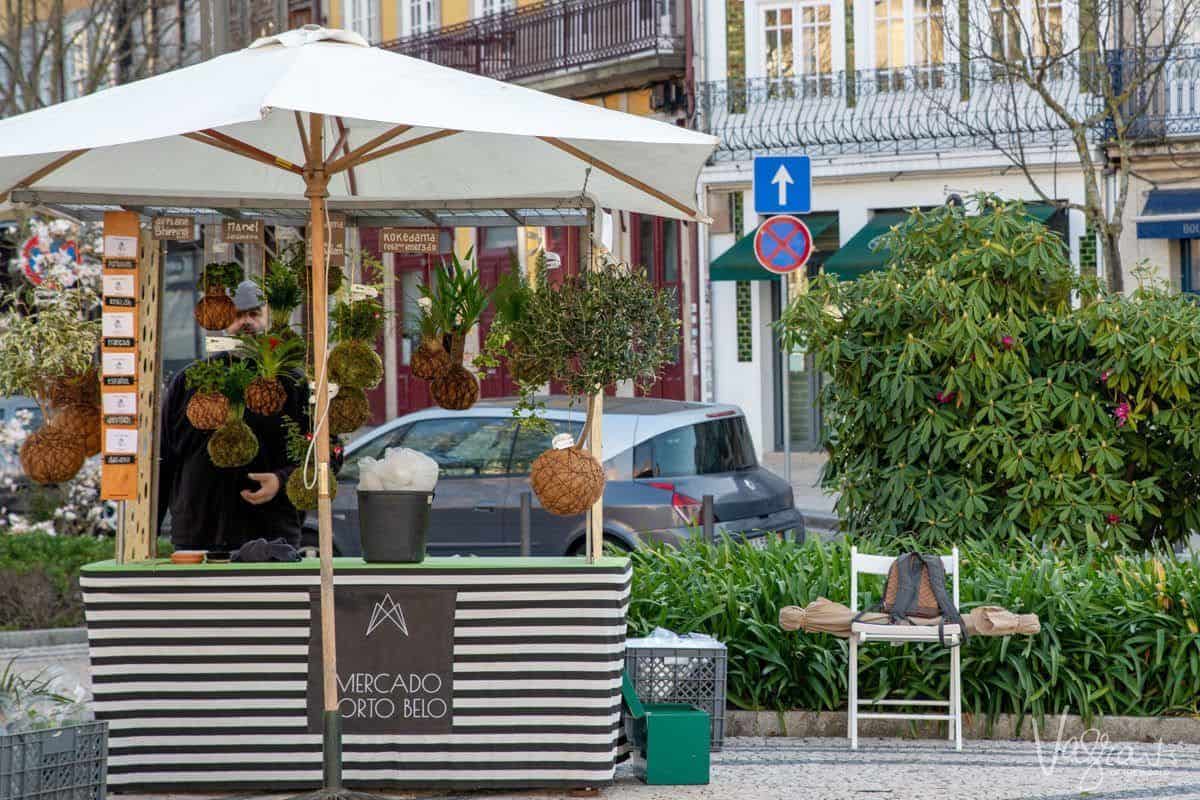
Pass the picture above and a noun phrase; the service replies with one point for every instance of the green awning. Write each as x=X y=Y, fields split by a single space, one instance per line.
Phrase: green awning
x=856 y=256
x=738 y=263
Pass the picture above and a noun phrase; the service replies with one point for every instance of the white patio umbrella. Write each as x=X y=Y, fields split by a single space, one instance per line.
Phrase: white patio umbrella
x=252 y=128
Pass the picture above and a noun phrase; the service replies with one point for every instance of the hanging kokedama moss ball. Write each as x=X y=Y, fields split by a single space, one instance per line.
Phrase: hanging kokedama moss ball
x=349 y=411
x=48 y=456
x=215 y=311
x=265 y=396
x=207 y=411
x=353 y=363
x=455 y=389
x=302 y=497
x=70 y=389
x=233 y=445
x=429 y=360
x=567 y=482
x=82 y=424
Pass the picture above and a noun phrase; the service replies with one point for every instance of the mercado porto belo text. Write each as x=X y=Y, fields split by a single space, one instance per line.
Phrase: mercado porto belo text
x=384 y=695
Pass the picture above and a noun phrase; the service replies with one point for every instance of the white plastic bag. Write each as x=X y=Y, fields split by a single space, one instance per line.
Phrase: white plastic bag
x=400 y=469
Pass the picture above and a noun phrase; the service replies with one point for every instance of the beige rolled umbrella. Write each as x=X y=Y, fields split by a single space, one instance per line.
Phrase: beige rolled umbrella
x=826 y=616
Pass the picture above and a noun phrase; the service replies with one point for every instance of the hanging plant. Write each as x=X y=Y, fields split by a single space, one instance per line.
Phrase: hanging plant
x=207 y=408
x=301 y=495
x=281 y=288
x=349 y=410
x=457 y=301
x=298 y=257
x=234 y=444
x=215 y=311
x=353 y=360
x=594 y=330
x=47 y=349
x=507 y=337
x=270 y=357
x=430 y=359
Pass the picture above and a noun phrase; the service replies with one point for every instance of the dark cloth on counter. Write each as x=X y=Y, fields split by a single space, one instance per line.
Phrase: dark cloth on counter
x=259 y=550
x=207 y=509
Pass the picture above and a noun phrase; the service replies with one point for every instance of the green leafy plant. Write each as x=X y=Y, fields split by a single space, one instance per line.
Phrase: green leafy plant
x=970 y=397
x=238 y=375
x=54 y=338
x=221 y=275
x=280 y=286
x=205 y=376
x=357 y=319
x=1119 y=634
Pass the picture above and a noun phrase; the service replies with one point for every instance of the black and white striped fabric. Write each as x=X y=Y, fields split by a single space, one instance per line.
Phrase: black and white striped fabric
x=202 y=674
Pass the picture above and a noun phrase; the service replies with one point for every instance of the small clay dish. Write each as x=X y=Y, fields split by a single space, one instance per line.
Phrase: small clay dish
x=187 y=557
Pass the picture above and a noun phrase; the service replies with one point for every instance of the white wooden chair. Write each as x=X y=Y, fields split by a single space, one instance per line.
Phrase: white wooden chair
x=862 y=632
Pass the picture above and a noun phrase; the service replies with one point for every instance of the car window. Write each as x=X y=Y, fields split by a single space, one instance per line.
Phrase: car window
x=722 y=445
x=464 y=446
x=532 y=442
x=372 y=448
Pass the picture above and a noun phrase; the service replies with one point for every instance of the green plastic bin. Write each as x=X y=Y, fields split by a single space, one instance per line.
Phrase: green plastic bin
x=672 y=738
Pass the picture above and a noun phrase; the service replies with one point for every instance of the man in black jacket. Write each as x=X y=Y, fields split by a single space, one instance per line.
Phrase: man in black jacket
x=216 y=508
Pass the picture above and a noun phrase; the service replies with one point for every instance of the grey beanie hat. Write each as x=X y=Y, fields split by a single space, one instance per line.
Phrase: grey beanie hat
x=247 y=296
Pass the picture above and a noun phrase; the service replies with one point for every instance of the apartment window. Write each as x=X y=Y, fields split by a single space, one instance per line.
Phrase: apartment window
x=798 y=43
x=362 y=17
x=488 y=7
x=420 y=16
x=909 y=40
x=1038 y=22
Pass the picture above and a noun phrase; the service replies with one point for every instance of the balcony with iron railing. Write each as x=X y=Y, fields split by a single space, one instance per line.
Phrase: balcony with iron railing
x=561 y=46
x=934 y=108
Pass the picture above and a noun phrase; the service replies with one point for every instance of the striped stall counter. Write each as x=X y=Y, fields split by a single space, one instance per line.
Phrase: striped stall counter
x=204 y=672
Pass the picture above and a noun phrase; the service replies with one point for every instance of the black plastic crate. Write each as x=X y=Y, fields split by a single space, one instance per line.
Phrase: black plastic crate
x=67 y=763
x=689 y=675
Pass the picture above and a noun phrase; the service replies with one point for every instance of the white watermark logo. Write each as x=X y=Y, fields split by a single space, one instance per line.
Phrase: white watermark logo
x=1093 y=751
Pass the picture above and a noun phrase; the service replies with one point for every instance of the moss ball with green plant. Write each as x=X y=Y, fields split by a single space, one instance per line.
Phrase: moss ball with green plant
x=234 y=443
x=281 y=288
x=349 y=411
x=273 y=359
x=215 y=311
x=302 y=496
x=207 y=408
x=353 y=360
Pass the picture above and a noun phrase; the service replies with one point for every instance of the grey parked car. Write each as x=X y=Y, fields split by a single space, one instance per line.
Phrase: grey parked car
x=660 y=457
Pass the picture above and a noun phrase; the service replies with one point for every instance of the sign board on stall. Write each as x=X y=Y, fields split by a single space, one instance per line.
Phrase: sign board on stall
x=119 y=357
x=395 y=661
x=173 y=227
x=409 y=241
x=335 y=242
x=782 y=185
x=242 y=231
x=783 y=244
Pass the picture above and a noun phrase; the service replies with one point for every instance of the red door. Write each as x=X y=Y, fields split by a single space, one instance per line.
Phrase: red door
x=656 y=246
x=493 y=261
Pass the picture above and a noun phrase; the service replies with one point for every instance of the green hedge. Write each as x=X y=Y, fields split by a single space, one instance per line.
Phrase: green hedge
x=1119 y=635
x=39 y=578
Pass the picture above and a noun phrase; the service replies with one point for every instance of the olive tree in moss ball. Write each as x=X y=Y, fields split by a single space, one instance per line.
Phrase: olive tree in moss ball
x=979 y=388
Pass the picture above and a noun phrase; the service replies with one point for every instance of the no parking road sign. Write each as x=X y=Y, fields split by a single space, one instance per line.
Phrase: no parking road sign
x=782 y=244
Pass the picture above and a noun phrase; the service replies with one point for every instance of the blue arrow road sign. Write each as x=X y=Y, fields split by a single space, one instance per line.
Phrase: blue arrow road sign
x=782 y=185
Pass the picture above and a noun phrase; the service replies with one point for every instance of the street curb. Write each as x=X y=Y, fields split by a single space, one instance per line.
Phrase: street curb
x=811 y=724
x=51 y=637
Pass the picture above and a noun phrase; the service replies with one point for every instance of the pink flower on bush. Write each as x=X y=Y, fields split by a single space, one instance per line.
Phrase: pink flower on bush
x=1121 y=412
x=1008 y=342
x=944 y=397
x=1104 y=376
x=1114 y=519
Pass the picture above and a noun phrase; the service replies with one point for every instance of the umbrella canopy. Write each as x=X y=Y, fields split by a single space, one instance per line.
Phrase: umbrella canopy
x=449 y=135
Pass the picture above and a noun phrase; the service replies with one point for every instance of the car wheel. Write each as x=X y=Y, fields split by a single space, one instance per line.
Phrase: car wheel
x=612 y=547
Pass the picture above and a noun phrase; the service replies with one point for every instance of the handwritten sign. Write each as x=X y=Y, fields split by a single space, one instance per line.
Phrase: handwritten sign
x=173 y=227
x=335 y=241
x=418 y=241
x=242 y=231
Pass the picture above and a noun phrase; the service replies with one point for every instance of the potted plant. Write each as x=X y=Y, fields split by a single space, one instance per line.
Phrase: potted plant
x=47 y=352
x=270 y=357
x=353 y=360
x=280 y=286
x=592 y=331
x=458 y=301
x=48 y=739
x=207 y=408
x=215 y=311
x=299 y=492
x=234 y=444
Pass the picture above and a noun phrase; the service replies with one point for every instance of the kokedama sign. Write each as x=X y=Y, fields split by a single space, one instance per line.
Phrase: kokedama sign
x=395 y=665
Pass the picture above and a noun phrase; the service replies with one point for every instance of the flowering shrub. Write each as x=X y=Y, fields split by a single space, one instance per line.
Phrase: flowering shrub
x=972 y=394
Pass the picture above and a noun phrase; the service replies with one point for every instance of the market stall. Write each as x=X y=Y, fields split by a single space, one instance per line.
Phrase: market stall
x=365 y=134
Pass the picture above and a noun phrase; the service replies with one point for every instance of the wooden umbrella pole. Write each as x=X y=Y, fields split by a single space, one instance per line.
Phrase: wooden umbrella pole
x=317 y=190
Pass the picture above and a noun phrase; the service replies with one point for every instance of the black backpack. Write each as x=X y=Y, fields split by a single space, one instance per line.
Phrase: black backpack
x=916 y=588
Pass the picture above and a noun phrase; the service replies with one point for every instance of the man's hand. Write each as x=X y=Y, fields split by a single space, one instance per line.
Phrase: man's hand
x=268 y=487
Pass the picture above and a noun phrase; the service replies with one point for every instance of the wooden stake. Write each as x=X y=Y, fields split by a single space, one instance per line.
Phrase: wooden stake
x=621 y=176
x=316 y=191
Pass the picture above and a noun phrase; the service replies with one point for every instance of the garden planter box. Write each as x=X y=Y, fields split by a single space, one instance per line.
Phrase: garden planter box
x=66 y=763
